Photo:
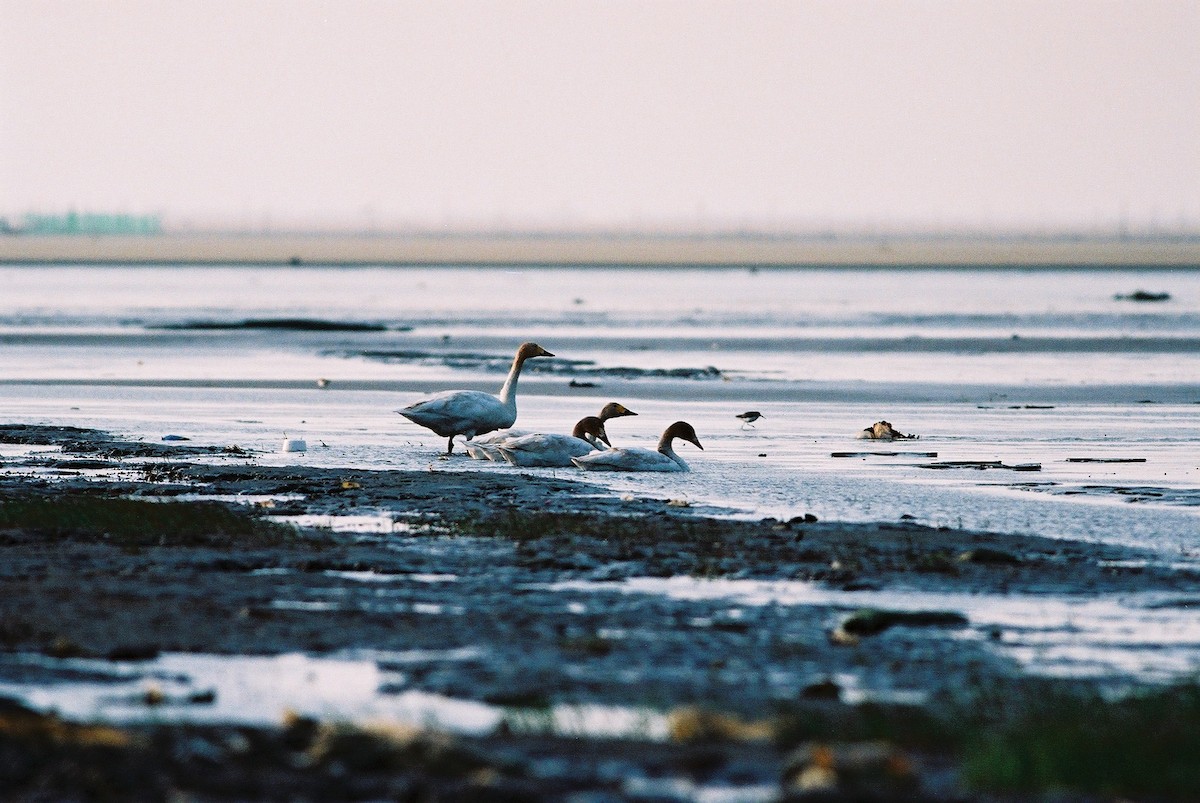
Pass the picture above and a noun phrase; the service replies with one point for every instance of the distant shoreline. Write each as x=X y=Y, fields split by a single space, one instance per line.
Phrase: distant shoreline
x=600 y=250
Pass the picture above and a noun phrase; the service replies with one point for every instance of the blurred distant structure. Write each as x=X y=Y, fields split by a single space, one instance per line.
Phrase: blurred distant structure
x=86 y=223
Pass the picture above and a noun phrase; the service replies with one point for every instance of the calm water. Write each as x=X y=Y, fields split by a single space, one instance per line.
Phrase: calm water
x=1045 y=368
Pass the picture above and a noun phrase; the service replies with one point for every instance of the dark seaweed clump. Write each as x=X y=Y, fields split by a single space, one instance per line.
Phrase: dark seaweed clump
x=1142 y=295
x=131 y=522
x=48 y=435
x=870 y=622
x=286 y=324
x=557 y=366
x=659 y=544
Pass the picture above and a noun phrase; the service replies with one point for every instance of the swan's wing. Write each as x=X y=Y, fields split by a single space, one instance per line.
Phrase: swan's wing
x=459 y=412
x=483 y=451
x=544 y=450
x=492 y=438
x=553 y=443
x=626 y=459
x=530 y=440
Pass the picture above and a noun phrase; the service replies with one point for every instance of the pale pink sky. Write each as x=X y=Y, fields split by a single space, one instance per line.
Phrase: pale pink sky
x=610 y=113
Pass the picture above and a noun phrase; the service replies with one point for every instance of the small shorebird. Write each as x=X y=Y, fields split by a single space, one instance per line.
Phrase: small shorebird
x=749 y=417
x=473 y=412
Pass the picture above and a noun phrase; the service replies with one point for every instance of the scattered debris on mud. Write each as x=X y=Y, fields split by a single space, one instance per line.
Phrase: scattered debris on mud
x=537 y=586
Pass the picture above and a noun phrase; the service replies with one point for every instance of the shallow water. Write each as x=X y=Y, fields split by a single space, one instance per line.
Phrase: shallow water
x=1149 y=636
x=1020 y=366
x=264 y=690
x=1045 y=369
x=1002 y=328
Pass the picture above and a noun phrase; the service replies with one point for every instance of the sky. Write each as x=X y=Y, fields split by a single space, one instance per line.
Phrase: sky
x=696 y=115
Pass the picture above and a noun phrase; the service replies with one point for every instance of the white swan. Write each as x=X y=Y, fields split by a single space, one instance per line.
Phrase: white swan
x=638 y=459
x=540 y=449
x=473 y=412
x=487 y=447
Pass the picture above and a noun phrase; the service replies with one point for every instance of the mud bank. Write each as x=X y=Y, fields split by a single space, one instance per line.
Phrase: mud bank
x=749 y=639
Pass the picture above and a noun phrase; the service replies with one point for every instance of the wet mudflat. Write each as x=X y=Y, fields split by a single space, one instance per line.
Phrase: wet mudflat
x=764 y=658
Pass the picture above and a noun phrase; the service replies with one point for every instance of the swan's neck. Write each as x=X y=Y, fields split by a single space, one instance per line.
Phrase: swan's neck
x=664 y=447
x=508 y=393
x=581 y=431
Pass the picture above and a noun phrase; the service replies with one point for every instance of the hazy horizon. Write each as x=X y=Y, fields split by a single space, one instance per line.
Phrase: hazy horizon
x=773 y=117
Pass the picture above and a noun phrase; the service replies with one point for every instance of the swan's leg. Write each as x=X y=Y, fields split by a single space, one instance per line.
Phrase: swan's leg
x=450 y=445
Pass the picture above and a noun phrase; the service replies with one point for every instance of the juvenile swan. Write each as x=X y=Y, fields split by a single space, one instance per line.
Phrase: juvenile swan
x=473 y=412
x=638 y=459
x=488 y=447
x=555 y=449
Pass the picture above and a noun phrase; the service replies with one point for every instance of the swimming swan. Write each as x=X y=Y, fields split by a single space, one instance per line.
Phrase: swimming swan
x=555 y=449
x=486 y=448
x=473 y=412
x=638 y=459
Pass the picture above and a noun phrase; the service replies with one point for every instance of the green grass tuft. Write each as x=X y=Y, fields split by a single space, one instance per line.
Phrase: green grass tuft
x=1147 y=744
x=1030 y=738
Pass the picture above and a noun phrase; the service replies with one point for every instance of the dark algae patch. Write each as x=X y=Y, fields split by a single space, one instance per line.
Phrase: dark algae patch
x=557 y=366
x=285 y=324
x=94 y=442
x=1142 y=295
x=131 y=522
x=47 y=435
